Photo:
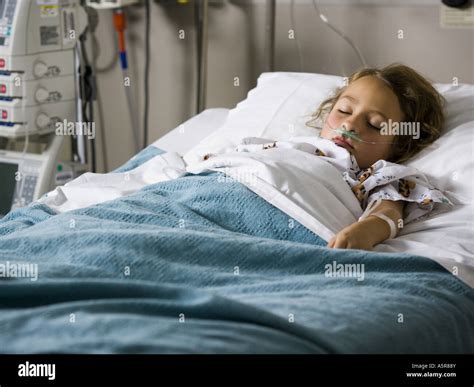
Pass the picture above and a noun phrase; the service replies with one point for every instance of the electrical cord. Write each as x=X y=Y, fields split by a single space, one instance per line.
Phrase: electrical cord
x=93 y=15
x=341 y=34
x=79 y=85
x=112 y=63
x=93 y=21
x=88 y=96
x=331 y=26
x=197 y=23
x=95 y=57
x=147 y=73
x=297 y=41
x=100 y=111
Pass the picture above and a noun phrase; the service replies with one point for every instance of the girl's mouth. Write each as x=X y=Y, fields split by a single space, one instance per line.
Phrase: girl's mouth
x=341 y=141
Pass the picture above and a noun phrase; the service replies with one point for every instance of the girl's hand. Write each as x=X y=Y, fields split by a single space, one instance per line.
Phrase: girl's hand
x=370 y=231
x=355 y=236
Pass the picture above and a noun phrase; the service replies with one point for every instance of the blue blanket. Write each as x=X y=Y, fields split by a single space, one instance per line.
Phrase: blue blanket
x=203 y=265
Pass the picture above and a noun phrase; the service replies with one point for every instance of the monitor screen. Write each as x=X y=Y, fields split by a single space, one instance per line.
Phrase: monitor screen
x=7 y=13
x=7 y=187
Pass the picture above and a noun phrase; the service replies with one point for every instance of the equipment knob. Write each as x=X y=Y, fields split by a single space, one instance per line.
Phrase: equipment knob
x=40 y=69
x=41 y=95
x=42 y=120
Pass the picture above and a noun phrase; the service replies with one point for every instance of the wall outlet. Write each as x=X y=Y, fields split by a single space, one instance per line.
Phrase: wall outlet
x=456 y=17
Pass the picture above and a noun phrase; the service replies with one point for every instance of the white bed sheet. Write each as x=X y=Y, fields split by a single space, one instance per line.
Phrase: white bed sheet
x=442 y=236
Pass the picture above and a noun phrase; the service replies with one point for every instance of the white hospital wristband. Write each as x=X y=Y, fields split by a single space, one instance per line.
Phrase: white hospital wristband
x=390 y=222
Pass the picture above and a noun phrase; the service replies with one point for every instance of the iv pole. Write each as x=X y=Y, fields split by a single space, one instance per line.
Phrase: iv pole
x=201 y=8
x=270 y=35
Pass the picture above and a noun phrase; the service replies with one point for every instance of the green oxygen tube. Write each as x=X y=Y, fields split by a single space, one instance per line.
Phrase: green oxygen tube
x=345 y=133
x=354 y=136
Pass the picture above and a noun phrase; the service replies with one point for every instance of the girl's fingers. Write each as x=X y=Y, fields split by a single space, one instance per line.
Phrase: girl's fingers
x=340 y=243
x=331 y=242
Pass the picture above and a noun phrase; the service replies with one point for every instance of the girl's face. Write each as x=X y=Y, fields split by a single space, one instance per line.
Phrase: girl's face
x=362 y=108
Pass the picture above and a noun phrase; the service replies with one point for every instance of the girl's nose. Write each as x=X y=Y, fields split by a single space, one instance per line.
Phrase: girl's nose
x=349 y=127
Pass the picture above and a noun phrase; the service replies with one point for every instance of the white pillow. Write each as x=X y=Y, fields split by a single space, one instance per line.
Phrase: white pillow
x=449 y=161
x=277 y=108
x=281 y=103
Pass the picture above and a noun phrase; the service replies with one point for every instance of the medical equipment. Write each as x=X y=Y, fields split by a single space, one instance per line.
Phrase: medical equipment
x=201 y=12
x=37 y=91
x=67 y=171
x=26 y=176
x=37 y=84
x=201 y=18
x=120 y=26
x=325 y=20
x=354 y=136
x=349 y=41
x=270 y=34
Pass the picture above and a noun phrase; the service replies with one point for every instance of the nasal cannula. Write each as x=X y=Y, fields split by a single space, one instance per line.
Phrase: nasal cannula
x=354 y=136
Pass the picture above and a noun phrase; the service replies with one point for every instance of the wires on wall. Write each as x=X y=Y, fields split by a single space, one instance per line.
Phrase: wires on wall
x=120 y=26
x=297 y=40
x=201 y=20
x=93 y=18
x=97 y=49
x=100 y=108
x=341 y=34
x=88 y=92
x=330 y=25
x=147 y=73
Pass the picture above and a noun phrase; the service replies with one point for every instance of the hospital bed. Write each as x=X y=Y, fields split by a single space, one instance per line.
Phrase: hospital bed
x=429 y=236
x=188 y=265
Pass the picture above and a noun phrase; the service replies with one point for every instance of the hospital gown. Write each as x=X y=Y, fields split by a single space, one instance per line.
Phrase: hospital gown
x=383 y=180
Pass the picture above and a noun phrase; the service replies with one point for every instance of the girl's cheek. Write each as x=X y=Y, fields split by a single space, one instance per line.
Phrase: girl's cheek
x=325 y=132
x=331 y=121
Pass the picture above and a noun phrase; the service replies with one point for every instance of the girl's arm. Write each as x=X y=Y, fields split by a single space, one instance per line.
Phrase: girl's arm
x=370 y=231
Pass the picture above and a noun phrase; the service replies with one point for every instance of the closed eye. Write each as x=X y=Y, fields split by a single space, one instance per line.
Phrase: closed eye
x=368 y=123
x=373 y=126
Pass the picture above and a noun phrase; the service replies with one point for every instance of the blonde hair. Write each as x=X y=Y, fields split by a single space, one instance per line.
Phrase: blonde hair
x=418 y=99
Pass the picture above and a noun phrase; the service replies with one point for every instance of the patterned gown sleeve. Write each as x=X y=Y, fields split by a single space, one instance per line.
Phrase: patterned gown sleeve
x=388 y=181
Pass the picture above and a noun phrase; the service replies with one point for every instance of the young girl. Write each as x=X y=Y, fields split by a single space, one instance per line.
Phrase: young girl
x=372 y=98
x=381 y=118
